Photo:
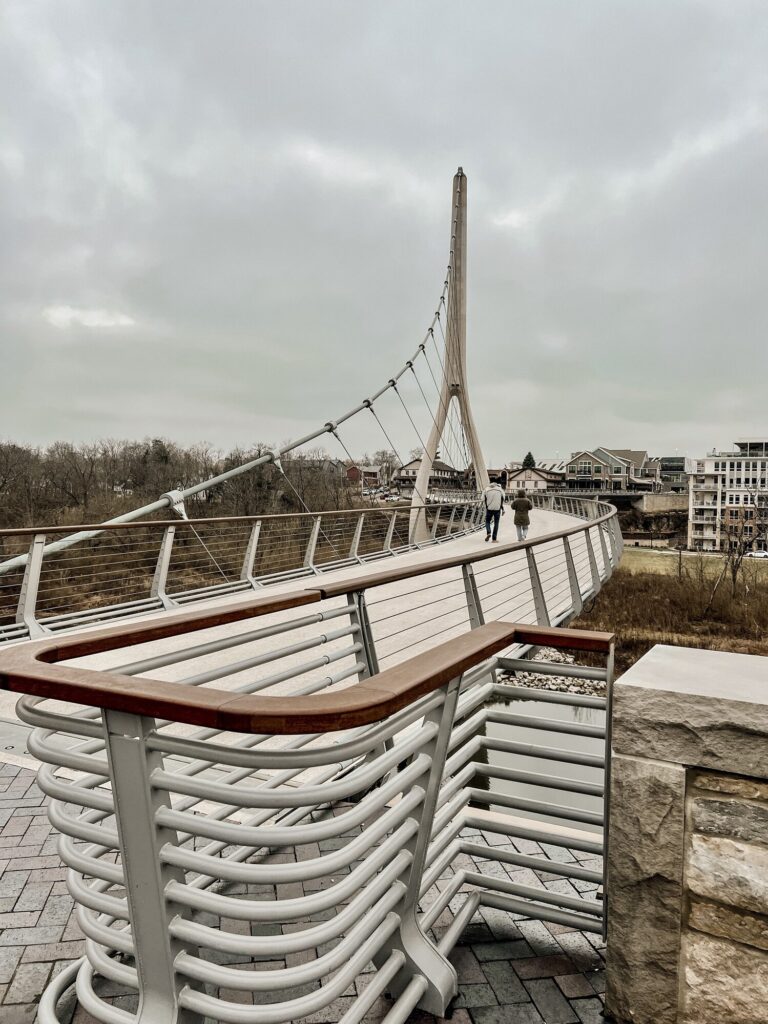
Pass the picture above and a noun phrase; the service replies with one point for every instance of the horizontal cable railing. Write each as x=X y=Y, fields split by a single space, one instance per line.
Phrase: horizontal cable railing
x=135 y=568
x=255 y=800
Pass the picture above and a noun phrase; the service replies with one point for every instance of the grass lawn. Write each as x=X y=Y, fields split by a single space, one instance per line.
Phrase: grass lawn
x=658 y=560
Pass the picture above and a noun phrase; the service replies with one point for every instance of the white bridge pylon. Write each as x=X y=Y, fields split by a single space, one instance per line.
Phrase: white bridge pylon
x=454 y=383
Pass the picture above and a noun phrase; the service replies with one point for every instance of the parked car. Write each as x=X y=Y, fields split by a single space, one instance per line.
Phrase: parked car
x=756 y=554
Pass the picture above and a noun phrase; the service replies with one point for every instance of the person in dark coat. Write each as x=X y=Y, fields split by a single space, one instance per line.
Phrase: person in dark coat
x=522 y=506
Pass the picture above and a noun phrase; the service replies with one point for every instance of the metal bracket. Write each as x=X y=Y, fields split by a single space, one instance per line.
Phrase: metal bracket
x=176 y=501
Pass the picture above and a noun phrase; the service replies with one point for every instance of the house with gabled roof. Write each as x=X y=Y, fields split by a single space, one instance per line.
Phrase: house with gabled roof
x=534 y=478
x=612 y=469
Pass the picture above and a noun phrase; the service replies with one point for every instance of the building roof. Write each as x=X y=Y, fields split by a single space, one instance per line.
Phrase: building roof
x=436 y=465
x=549 y=474
x=592 y=455
x=628 y=455
x=553 y=465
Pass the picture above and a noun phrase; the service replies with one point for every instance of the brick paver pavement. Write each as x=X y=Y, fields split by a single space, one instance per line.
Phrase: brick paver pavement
x=511 y=970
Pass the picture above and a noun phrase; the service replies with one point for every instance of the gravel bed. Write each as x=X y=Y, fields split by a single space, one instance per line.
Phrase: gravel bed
x=562 y=684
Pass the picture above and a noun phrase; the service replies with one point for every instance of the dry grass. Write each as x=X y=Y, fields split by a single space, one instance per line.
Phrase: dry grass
x=648 y=607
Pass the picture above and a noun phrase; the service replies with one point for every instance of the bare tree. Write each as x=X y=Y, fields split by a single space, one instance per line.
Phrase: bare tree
x=741 y=528
x=389 y=462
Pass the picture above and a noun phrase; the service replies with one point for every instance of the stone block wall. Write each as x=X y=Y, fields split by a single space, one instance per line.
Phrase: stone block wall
x=726 y=899
x=687 y=891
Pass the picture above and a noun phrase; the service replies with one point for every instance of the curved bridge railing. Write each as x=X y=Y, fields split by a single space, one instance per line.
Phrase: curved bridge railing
x=133 y=568
x=136 y=568
x=256 y=800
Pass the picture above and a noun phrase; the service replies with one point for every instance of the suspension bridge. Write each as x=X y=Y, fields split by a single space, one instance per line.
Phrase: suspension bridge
x=268 y=741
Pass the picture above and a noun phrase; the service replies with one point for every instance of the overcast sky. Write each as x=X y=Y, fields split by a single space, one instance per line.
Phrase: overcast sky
x=228 y=222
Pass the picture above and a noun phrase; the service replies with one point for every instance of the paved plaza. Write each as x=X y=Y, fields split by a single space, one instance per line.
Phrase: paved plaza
x=511 y=970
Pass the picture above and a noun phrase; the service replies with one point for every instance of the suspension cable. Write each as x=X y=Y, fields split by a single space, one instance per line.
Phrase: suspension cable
x=209 y=552
x=397 y=454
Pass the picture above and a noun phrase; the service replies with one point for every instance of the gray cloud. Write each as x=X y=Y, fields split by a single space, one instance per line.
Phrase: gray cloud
x=230 y=222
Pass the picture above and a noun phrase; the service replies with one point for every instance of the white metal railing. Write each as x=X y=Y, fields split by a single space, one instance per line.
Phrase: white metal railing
x=135 y=568
x=285 y=778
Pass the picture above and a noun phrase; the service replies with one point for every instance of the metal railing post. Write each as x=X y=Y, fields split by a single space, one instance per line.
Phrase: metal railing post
x=449 y=527
x=309 y=555
x=136 y=803
x=246 y=572
x=390 y=533
x=539 y=603
x=573 y=579
x=436 y=523
x=421 y=956
x=356 y=537
x=26 y=609
x=358 y=617
x=609 y=672
x=463 y=518
x=474 y=607
x=592 y=561
x=614 y=541
x=161 y=569
x=607 y=563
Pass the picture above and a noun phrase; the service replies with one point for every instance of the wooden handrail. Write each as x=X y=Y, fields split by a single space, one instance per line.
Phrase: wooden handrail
x=31 y=669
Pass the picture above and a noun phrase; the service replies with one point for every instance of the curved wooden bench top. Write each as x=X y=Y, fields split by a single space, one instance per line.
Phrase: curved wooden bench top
x=29 y=669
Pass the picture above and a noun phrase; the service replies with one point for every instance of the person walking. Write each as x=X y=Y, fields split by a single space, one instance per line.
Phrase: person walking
x=522 y=506
x=493 y=498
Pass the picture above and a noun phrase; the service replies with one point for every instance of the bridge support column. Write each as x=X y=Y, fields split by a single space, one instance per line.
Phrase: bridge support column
x=454 y=382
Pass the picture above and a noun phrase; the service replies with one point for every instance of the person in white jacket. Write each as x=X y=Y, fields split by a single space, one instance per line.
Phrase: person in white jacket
x=493 y=499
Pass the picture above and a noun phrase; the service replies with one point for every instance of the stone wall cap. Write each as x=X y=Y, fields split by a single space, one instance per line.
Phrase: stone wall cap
x=699 y=673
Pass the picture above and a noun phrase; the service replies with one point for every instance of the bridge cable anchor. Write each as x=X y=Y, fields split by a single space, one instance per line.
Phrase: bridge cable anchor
x=176 y=502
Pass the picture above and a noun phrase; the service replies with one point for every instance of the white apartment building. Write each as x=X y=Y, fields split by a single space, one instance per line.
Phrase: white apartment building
x=728 y=487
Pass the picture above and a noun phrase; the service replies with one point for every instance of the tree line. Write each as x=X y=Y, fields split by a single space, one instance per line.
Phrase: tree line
x=67 y=483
